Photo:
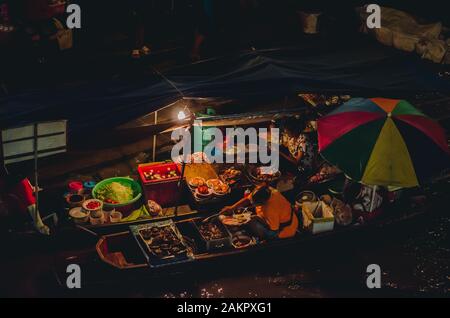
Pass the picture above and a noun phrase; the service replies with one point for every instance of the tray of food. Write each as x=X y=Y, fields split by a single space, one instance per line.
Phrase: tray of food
x=207 y=190
x=214 y=234
x=231 y=176
x=162 y=243
x=259 y=174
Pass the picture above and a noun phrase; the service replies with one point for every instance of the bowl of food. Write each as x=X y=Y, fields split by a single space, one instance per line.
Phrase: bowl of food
x=78 y=215
x=220 y=189
x=119 y=193
x=203 y=191
x=211 y=183
x=75 y=200
x=241 y=241
x=115 y=217
x=97 y=218
x=93 y=206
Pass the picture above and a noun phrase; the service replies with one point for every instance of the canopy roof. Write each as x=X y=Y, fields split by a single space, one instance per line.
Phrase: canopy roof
x=360 y=66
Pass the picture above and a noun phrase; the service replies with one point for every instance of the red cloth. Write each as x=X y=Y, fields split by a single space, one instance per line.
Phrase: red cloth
x=20 y=196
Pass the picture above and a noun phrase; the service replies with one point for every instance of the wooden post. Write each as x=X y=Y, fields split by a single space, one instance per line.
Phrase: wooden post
x=36 y=183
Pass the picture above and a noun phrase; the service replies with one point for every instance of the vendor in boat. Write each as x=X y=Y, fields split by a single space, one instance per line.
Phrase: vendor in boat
x=17 y=200
x=275 y=217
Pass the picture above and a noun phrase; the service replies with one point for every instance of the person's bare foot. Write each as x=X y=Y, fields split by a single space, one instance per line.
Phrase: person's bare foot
x=135 y=54
x=145 y=50
x=42 y=229
x=195 y=56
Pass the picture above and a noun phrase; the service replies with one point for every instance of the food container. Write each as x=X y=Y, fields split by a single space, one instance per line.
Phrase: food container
x=127 y=207
x=305 y=196
x=317 y=217
x=165 y=191
x=242 y=240
x=89 y=186
x=75 y=187
x=93 y=207
x=74 y=200
x=216 y=243
x=78 y=215
x=152 y=249
x=115 y=217
x=202 y=171
x=97 y=219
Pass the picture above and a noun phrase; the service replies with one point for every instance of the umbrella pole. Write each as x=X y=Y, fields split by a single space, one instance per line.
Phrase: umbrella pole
x=372 y=201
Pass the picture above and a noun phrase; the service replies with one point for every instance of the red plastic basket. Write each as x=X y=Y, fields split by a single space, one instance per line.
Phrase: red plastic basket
x=163 y=191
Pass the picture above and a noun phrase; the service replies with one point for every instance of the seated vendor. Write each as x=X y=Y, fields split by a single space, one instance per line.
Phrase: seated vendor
x=18 y=201
x=275 y=217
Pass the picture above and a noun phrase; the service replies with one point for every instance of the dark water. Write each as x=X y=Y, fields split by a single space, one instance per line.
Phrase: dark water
x=415 y=261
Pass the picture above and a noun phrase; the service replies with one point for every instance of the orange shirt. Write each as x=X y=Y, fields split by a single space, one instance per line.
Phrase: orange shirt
x=277 y=210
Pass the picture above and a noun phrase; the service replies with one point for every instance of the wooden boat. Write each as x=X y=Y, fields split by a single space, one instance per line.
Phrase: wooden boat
x=118 y=258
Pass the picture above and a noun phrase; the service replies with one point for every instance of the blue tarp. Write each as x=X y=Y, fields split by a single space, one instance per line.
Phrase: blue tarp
x=365 y=66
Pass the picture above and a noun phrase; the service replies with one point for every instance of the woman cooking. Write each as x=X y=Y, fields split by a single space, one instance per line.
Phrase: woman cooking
x=275 y=217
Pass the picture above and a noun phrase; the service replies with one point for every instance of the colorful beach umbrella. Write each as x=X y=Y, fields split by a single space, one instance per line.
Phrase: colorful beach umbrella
x=381 y=141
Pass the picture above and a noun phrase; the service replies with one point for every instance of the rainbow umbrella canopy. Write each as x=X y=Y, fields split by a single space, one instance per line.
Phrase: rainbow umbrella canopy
x=381 y=141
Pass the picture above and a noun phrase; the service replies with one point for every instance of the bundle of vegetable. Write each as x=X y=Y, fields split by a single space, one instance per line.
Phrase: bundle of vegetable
x=115 y=193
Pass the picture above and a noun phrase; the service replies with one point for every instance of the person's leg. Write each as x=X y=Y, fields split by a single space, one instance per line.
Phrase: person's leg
x=259 y=229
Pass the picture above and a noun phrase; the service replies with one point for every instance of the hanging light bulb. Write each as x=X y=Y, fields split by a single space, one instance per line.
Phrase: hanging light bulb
x=181 y=115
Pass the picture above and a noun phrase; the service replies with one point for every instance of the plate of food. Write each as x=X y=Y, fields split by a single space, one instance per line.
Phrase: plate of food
x=264 y=174
x=230 y=175
x=242 y=241
x=237 y=219
x=211 y=183
x=196 y=182
x=221 y=189
x=218 y=187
